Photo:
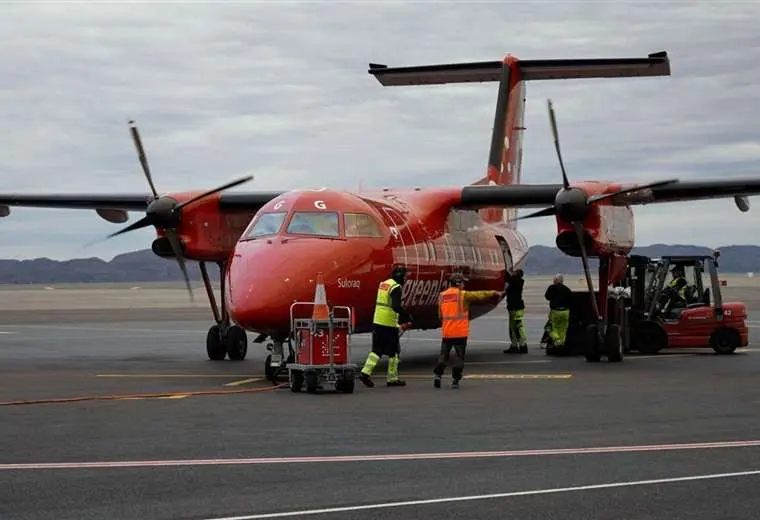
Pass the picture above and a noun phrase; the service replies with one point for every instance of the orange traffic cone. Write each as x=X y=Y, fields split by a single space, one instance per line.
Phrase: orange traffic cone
x=320 y=311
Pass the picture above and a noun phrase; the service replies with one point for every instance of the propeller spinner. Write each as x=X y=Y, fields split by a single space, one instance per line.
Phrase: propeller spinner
x=572 y=205
x=165 y=213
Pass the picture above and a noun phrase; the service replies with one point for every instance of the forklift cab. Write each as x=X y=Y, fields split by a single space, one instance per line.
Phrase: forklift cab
x=652 y=283
x=700 y=317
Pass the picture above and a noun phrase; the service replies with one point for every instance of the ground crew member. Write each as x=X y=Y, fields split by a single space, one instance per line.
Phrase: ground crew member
x=560 y=297
x=518 y=338
x=454 y=313
x=389 y=317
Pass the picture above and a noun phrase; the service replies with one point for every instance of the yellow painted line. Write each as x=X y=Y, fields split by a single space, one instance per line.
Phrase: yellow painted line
x=227 y=376
x=125 y=397
x=244 y=381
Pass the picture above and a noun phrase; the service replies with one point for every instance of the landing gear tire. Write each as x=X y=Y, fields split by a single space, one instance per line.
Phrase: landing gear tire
x=215 y=347
x=236 y=343
x=592 y=351
x=613 y=344
x=725 y=341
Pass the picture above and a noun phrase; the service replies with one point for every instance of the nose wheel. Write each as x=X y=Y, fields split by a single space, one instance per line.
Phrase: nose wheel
x=230 y=341
x=224 y=339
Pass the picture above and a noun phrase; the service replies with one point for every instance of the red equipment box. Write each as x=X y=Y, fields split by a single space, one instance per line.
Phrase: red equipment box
x=314 y=343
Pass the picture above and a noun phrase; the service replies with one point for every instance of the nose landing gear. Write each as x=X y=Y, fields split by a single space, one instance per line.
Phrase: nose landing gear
x=224 y=339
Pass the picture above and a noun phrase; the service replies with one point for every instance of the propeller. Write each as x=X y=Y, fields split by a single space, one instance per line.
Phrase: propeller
x=572 y=205
x=165 y=213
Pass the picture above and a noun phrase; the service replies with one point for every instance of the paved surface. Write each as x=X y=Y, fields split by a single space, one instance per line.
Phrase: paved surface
x=193 y=451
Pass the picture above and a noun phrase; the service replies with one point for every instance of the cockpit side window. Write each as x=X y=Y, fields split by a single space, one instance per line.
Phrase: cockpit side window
x=316 y=223
x=361 y=225
x=266 y=224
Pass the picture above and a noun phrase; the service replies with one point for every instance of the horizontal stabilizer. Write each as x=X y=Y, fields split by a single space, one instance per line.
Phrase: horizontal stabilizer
x=656 y=64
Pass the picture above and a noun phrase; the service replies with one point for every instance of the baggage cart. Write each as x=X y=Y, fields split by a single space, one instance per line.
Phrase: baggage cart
x=322 y=349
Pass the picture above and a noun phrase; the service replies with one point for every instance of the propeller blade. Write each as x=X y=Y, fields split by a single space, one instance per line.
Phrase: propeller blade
x=141 y=155
x=540 y=213
x=586 y=271
x=597 y=198
x=143 y=222
x=553 y=121
x=215 y=190
x=174 y=242
x=139 y=224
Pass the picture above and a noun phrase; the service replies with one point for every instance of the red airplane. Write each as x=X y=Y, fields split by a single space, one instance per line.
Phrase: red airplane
x=270 y=246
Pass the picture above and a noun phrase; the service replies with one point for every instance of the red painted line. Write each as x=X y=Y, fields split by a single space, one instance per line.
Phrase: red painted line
x=390 y=457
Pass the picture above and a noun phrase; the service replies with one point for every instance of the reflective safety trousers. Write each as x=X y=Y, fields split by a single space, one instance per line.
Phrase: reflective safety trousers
x=455 y=322
x=517 y=334
x=559 y=321
x=384 y=313
x=371 y=363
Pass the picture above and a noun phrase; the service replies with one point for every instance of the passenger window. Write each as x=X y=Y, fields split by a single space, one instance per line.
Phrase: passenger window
x=317 y=223
x=266 y=224
x=361 y=225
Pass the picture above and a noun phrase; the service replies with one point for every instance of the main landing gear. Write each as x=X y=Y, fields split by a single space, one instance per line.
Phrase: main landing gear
x=224 y=339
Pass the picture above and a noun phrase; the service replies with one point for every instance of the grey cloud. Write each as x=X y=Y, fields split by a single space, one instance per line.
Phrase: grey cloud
x=281 y=90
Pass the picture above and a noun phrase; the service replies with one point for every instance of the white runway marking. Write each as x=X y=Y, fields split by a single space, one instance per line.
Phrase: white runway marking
x=407 y=503
x=384 y=458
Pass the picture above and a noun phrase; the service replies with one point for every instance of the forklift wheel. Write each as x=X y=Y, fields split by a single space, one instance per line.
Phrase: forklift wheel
x=725 y=341
x=650 y=338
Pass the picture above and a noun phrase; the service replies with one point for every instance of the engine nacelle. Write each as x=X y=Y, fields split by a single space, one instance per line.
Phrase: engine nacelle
x=161 y=247
x=607 y=230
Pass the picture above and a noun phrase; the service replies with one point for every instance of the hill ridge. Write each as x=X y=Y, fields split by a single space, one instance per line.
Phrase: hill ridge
x=144 y=266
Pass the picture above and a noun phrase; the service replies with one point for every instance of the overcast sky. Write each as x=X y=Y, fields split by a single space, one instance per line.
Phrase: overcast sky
x=280 y=89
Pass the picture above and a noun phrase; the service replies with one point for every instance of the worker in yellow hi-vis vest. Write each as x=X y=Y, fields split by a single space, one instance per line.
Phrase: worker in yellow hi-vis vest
x=390 y=317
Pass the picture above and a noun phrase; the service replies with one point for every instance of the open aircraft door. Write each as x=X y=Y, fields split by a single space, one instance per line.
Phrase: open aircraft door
x=505 y=252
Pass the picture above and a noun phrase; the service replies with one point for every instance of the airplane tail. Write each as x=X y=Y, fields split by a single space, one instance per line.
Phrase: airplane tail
x=505 y=154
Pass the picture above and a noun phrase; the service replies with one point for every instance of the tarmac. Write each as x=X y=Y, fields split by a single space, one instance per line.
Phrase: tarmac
x=111 y=409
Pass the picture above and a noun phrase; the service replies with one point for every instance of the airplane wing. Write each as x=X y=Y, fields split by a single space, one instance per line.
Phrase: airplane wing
x=535 y=195
x=127 y=202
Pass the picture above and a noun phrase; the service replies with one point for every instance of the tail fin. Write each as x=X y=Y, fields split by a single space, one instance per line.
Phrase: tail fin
x=505 y=154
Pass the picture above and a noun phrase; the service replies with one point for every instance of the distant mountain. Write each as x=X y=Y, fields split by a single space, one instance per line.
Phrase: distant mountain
x=144 y=266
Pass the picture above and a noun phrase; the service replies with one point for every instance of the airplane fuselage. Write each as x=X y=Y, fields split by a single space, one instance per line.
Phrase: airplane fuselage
x=354 y=240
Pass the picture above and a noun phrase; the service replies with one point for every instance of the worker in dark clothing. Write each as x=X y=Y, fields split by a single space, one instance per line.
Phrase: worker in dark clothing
x=389 y=317
x=559 y=297
x=516 y=308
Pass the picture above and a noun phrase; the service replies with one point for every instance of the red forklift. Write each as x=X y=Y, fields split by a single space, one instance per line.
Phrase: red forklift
x=656 y=316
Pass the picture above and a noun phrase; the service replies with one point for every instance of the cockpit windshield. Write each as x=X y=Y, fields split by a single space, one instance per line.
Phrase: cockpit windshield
x=317 y=223
x=361 y=225
x=266 y=224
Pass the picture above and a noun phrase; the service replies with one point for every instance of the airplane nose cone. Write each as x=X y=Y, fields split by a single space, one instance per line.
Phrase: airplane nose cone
x=266 y=277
